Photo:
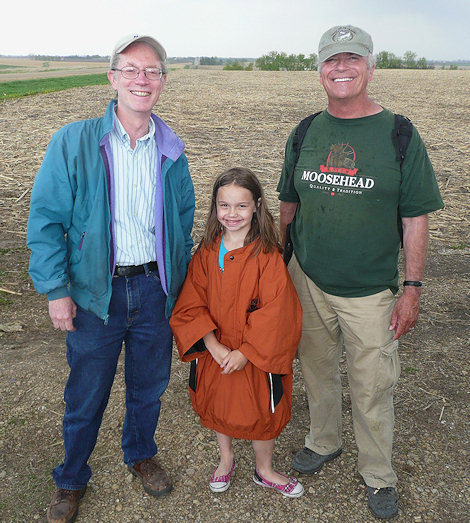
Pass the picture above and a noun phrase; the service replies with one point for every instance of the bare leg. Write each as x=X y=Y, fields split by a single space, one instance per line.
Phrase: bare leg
x=264 y=461
x=226 y=454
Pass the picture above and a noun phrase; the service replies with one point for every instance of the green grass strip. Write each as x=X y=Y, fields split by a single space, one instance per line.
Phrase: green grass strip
x=5 y=66
x=19 y=88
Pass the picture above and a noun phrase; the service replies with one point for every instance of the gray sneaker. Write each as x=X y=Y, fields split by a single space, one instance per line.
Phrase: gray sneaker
x=307 y=461
x=383 y=502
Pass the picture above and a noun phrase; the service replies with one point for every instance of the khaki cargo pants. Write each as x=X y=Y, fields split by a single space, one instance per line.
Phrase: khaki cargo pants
x=361 y=325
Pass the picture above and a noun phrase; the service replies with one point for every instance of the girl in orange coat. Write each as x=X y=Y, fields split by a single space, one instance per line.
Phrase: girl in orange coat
x=238 y=321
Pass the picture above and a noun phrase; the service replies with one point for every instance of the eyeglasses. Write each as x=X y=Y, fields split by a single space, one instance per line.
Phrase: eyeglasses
x=131 y=73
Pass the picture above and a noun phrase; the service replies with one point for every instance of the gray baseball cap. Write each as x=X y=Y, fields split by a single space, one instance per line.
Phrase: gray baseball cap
x=344 y=39
x=130 y=39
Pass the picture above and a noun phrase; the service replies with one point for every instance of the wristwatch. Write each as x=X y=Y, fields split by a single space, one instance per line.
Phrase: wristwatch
x=412 y=283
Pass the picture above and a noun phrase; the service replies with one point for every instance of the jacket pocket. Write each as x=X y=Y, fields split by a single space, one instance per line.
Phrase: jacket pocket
x=77 y=250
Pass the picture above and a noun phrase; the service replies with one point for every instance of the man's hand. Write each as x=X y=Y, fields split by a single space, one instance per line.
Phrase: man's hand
x=235 y=360
x=62 y=313
x=415 y=244
x=405 y=313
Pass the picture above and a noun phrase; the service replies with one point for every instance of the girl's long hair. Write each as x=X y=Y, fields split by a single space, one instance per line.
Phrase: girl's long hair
x=262 y=223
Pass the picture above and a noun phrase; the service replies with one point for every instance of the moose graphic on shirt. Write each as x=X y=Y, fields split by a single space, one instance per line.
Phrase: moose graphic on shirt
x=341 y=159
x=341 y=155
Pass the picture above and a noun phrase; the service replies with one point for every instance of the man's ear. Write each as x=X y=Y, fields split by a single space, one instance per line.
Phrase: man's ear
x=112 y=79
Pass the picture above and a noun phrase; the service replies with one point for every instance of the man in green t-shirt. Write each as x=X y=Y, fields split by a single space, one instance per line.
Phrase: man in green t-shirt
x=342 y=201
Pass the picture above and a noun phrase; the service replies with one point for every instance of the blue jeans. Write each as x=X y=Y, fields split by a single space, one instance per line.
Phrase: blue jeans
x=137 y=318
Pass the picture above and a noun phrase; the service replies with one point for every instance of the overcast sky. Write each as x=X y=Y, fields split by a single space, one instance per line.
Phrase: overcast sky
x=435 y=29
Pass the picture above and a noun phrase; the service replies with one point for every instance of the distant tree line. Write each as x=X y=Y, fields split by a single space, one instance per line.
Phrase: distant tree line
x=215 y=60
x=237 y=66
x=72 y=58
x=410 y=60
x=275 y=61
x=210 y=60
x=458 y=63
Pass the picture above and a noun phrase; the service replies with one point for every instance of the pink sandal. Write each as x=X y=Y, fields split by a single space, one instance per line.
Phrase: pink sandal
x=221 y=483
x=293 y=489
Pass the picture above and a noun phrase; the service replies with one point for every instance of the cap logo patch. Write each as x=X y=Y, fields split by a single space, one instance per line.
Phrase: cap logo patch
x=343 y=34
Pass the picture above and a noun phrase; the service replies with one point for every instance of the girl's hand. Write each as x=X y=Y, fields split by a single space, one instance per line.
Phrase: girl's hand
x=219 y=352
x=235 y=360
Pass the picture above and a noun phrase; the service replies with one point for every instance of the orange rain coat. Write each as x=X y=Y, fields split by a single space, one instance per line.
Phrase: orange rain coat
x=251 y=306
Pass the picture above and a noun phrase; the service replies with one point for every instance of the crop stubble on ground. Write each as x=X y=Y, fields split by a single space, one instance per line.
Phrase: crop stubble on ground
x=228 y=119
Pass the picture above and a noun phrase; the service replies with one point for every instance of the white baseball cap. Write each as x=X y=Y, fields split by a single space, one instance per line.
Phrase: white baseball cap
x=130 y=39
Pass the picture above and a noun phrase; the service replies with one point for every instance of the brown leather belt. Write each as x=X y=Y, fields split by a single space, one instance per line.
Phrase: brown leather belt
x=133 y=270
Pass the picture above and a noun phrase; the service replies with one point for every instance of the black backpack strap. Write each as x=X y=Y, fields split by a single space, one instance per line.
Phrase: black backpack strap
x=401 y=137
x=300 y=133
x=297 y=142
x=299 y=136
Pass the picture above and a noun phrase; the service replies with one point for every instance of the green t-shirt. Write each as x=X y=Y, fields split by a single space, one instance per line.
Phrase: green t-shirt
x=349 y=188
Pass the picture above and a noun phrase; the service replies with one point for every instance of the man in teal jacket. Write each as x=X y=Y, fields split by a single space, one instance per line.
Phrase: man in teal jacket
x=110 y=236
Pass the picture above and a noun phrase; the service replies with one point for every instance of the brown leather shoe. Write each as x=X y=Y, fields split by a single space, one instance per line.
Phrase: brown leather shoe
x=64 y=505
x=155 y=479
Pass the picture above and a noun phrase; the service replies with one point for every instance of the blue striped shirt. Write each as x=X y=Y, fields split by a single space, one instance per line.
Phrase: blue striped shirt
x=134 y=189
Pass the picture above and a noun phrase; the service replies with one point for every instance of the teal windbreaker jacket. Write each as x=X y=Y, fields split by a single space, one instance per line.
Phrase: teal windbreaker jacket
x=71 y=215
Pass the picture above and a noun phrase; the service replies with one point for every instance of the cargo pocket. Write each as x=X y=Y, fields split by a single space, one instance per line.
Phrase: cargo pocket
x=388 y=368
